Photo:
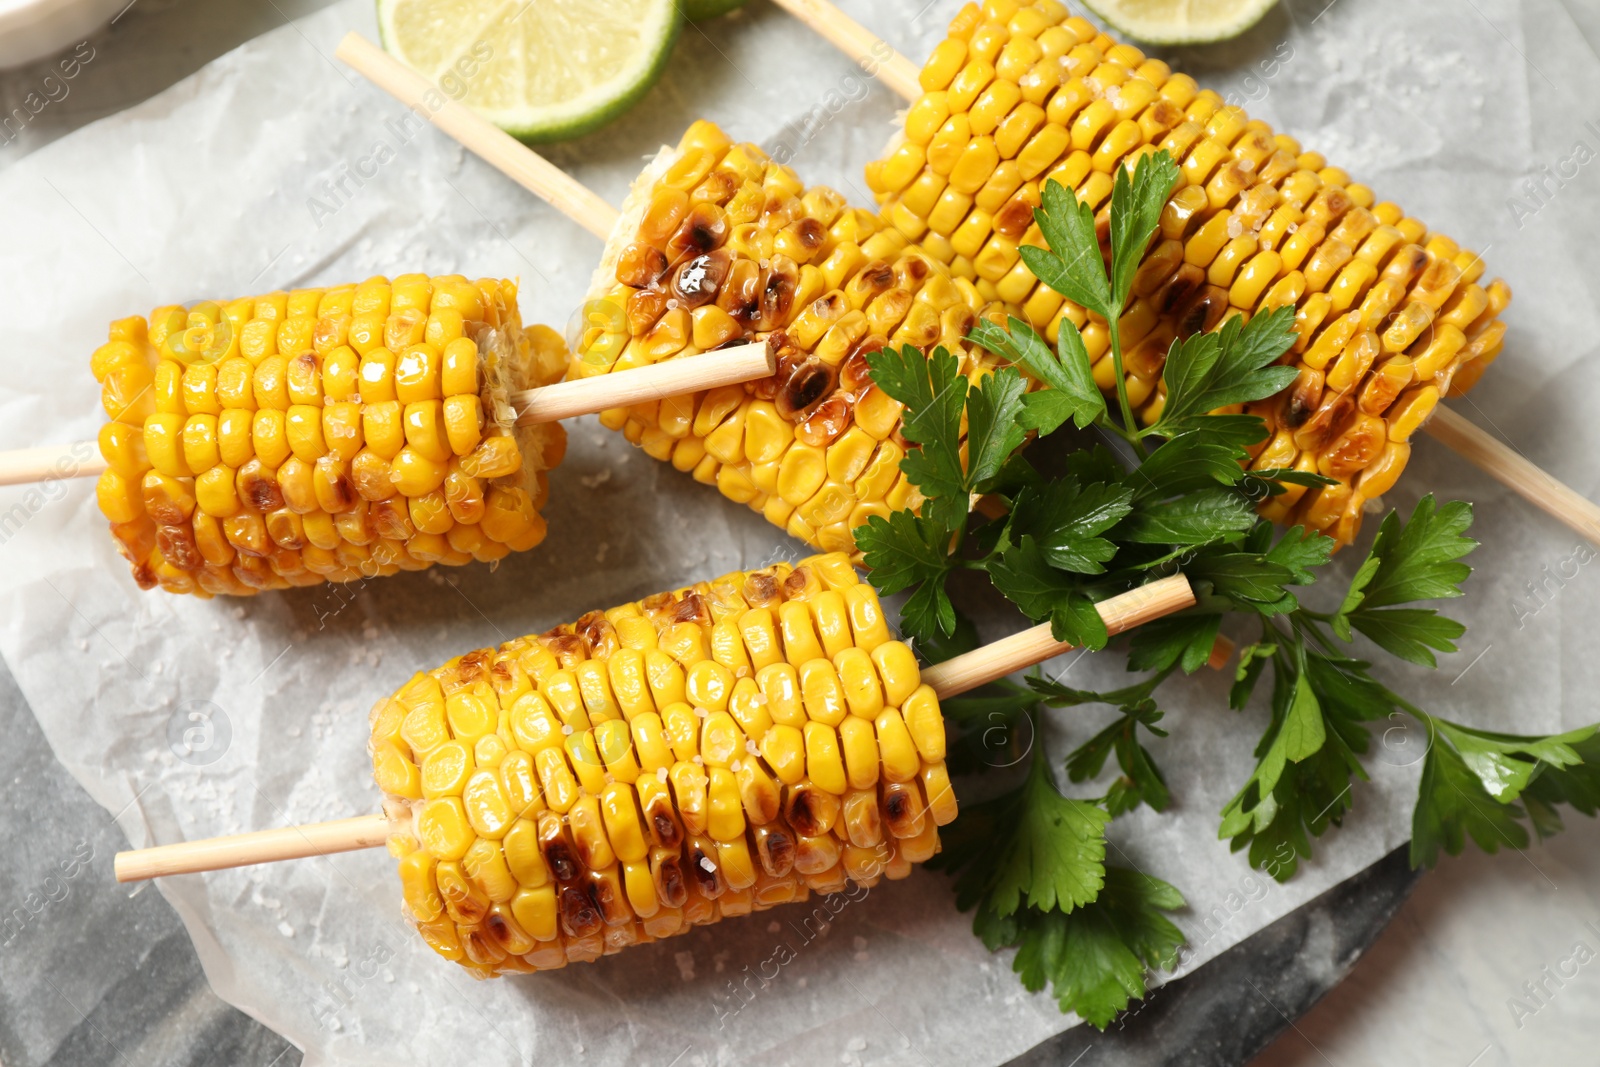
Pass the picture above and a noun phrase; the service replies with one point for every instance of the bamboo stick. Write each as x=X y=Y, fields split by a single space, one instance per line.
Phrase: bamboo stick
x=951 y=678
x=242 y=850
x=1513 y=471
x=875 y=57
x=496 y=147
x=51 y=461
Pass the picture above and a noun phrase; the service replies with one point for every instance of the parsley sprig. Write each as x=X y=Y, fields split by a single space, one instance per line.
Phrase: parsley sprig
x=1031 y=860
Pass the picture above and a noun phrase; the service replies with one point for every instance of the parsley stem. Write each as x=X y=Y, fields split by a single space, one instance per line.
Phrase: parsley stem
x=1130 y=428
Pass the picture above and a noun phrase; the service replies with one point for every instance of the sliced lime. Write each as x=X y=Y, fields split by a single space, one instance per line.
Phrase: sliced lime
x=1181 y=21
x=542 y=70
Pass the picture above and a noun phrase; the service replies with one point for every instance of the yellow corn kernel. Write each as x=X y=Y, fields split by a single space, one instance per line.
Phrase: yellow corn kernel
x=537 y=912
x=941 y=797
x=708 y=685
x=418 y=888
x=443 y=829
x=866 y=617
x=584 y=756
x=682 y=727
x=560 y=788
x=822 y=693
x=589 y=833
x=523 y=856
x=925 y=723
x=689 y=790
x=824 y=761
x=783 y=748
x=760 y=637
x=895 y=747
x=446 y=769
x=488 y=808
x=613 y=741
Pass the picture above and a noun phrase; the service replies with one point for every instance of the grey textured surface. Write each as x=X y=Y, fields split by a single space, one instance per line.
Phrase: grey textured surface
x=93 y=974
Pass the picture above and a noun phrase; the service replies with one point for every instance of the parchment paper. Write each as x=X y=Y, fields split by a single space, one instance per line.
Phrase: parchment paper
x=193 y=718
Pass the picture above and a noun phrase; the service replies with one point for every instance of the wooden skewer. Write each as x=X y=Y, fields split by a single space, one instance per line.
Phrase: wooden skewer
x=51 y=461
x=496 y=147
x=550 y=403
x=641 y=385
x=1513 y=471
x=951 y=678
x=870 y=52
x=242 y=850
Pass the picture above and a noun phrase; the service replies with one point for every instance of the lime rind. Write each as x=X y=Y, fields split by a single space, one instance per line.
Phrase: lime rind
x=1176 y=31
x=588 y=111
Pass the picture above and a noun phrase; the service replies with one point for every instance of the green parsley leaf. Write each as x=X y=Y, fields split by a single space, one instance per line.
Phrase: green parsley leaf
x=1136 y=207
x=1070 y=391
x=907 y=550
x=1472 y=780
x=993 y=432
x=1253 y=659
x=1065 y=522
x=1188 y=462
x=1300 y=551
x=1409 y=633
x=1250 y=581
x=1196 y=519
x=1453 y=804
x=934 y=394
x=1416 y=560
x=1024 y=576
x=1028 y=846
x=1096 y=958
x=1141 y=781
x=1072 y=265
x=1296 y=733
x=1178 y=640
x=1577 y=785
x=1233 y=365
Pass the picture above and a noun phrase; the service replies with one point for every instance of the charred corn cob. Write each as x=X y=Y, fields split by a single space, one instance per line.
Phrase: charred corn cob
x=324 y=434
x=701 y=754
x=718 y=244
x=1390 y=316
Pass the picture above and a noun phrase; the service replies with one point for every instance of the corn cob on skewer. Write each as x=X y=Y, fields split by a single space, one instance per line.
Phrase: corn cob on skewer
x=324 y=434
x=697 y=755
x=1390 y=315
x=1121 y=613
x=716 y=243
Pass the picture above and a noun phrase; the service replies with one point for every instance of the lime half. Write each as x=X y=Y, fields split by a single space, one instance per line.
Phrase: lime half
x=1181 y=21
x=542 y=70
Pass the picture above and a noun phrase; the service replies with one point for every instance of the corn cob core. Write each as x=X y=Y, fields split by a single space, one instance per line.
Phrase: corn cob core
x=1389 y=315
x=700 y=754
x=718 y=244
x=324 y=434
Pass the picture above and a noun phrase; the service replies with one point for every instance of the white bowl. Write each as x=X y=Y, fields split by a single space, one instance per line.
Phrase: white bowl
x=34 y=29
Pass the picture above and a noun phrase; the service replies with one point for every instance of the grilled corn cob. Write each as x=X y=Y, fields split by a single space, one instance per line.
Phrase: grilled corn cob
x=1390 y=316
x=719 y=244
x=701 y=754
x=324 y=434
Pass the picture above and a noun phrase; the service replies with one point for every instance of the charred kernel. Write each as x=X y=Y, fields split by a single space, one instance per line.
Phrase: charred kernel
x=640 y=265
x=697 y=281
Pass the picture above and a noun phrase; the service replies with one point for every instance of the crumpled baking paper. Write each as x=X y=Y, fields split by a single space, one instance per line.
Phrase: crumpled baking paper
x=276 y=167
